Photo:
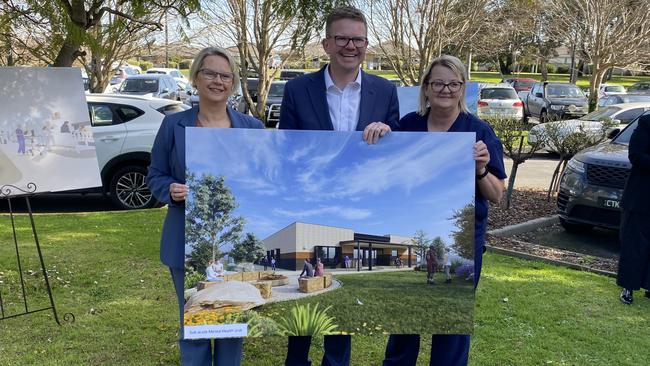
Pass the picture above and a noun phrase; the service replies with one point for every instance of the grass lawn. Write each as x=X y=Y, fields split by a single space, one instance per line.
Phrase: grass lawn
x=395 y=302
x=105 y=269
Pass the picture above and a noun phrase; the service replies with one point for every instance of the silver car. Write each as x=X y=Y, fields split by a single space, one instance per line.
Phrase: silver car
x=500 y=101
x=151 y=85
x=592 y=185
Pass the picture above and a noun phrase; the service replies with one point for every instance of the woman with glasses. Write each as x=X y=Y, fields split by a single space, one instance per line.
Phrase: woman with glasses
x=442 y=108
x=214 y=74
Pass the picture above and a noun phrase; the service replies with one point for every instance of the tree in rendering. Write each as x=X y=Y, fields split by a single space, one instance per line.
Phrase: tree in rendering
x=249 y=249
x=464 y=236
x=209 y=220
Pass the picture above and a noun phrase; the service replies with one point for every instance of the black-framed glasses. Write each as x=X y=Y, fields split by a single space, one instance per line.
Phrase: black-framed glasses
x=438 y=86
x=358 y=42
x=226 y=77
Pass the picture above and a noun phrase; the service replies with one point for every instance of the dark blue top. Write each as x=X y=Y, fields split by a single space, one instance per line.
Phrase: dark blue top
x=467 y=122
x=168 y=166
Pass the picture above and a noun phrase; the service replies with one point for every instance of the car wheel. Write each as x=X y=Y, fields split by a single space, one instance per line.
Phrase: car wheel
x=575 y=228
x=129 y=190
x=543 y=117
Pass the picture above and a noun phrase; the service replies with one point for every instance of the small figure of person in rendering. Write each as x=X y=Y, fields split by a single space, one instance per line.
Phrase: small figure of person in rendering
x=432 y=263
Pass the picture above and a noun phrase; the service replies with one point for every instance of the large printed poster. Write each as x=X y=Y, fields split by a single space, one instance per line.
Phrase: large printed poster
x=45 y=131
x=317 y=232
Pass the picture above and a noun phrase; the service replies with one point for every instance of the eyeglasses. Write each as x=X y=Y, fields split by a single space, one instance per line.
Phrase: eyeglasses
x=226 y=77
x=439 y=86
x=358 y=42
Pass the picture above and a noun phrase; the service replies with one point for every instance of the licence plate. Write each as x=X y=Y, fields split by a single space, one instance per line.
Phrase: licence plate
x=609 y=203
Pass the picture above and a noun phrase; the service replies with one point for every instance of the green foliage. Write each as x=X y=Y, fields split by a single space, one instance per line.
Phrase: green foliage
x=249 y=249
x=209 y=223
x=439 y=247
x=464 y=236
x=303 y=320
x=145 y=65
x=258 y=325
x=184 y=64
x=192 y=278
x=552 y=69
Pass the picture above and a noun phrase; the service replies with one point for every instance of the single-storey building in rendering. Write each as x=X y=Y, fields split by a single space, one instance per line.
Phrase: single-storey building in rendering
x=299 y=241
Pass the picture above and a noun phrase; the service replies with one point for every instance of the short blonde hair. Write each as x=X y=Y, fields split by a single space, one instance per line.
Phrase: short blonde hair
x=197 y=64
x=453 y=64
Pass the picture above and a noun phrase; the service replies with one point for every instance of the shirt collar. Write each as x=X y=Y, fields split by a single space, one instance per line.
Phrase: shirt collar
x=330 y=83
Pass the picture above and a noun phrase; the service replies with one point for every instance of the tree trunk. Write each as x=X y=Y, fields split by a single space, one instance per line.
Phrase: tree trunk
x=505 y=64
x=511 y=183
x=581 y=67
x=544 y=70
x=68 y=53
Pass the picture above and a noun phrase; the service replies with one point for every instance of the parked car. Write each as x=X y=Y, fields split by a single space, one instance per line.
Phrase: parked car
x=235 y=101
x=273 y=103
x=122 y=73
x=622 y=98
x=124 y=128
x=500 y=101
x=397 y=82
x=151 y=85
x=291 y=74
x=592 y=185
x=175 y=73
x=608 y=89
x=592 y=123
x=554 y=101
x=520 y=84
x=185 y=90
x=642 y=87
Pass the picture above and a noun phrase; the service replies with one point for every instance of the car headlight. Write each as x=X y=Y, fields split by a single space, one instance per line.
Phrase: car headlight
x=576 y=166
x=557 y=107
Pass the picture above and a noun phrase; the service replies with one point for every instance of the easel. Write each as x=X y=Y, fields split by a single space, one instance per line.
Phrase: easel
x=6 y=192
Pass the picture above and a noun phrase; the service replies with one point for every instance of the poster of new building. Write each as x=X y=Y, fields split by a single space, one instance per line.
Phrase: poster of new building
x=283 y=226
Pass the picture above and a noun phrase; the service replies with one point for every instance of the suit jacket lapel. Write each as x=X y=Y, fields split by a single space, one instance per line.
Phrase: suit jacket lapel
x=318 y=96
x=367 y=104
x=179 y=135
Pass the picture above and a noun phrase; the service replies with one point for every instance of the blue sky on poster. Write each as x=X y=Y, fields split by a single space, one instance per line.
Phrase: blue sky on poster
x=407 y=182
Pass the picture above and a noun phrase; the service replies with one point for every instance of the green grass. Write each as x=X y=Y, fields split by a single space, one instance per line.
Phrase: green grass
x=110 y=277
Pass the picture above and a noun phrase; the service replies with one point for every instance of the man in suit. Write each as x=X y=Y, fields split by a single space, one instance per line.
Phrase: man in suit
x=634 y=262
x=339 y=97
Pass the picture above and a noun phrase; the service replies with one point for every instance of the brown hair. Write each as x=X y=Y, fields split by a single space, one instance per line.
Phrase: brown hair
x=344 y=12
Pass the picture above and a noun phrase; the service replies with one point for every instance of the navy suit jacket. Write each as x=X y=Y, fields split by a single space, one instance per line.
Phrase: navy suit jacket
x=168 y=166
x=304 y=105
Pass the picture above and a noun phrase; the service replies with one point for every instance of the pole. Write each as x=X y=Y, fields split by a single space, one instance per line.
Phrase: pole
x=166 y=42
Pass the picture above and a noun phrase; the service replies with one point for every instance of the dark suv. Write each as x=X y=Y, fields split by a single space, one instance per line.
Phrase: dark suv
x=592 y=185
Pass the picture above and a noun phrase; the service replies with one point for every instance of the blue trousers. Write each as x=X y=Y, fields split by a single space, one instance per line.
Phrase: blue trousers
x=446 y=349
x=337 y=351
x=227 y=351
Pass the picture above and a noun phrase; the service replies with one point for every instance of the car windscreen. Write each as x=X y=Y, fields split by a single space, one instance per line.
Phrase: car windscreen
x=524 y=84
x=156 y=72
x=623 y=138
x=276 y=90
x=498 y=93
x=140 y=86
x=564 y=91
x=600 y=114
x=614 y=89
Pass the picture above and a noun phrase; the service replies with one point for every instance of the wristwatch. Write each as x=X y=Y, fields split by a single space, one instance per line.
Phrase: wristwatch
x=482 y=175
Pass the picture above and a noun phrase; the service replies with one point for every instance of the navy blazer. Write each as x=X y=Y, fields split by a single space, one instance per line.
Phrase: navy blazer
x=635 y=195
x=304 y=105
x=168 y=166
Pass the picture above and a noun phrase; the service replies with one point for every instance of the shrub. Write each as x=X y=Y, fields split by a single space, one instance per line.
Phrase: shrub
x=192 y=278
x=185 y=64
x=562 y=69
x=552 y=69
x=307 y=321
x=145 y=65
x=259 y=326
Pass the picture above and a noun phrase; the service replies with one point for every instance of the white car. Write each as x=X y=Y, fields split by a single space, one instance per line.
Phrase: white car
x=175 y=73
x=606 y=90
x=500 y=101
x=591 y=124
x=124 y=129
